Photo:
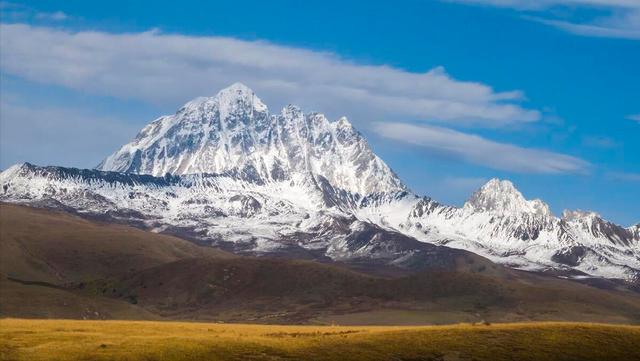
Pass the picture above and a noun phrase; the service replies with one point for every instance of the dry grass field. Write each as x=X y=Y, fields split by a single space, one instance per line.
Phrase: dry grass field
x=146 y=340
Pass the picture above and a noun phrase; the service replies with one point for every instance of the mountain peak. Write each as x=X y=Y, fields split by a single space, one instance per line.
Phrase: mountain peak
x=238 y=96
x=15 y=169
x=232 y=100
x=503 y=197
x=236 y=91
x=343 y=122
x=238 y=88
x=234 y=132
x=500 y=185
x=291 y=111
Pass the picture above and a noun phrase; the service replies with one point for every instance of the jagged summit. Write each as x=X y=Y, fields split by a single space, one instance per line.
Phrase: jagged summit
x=233 y=98
x=234 y=131
x=238 y=97
x=502 y=196
x=237 y=88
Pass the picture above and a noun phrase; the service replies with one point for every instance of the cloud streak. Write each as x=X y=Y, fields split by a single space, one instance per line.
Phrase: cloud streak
x=158 y=67
x=626 y=27
x=597 y=141
x=617 y=19
x=624 y=176
x=634 y=117
x=19 y=12
x=478 y=150
x=54 y=16
x=543 y=4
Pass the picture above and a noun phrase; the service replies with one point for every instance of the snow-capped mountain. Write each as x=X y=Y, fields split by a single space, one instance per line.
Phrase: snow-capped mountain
x=224 y=170
x=231 y=210
x=500 y=224
x=234 y=131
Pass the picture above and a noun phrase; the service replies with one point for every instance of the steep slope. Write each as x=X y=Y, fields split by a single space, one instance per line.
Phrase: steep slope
x=226 y=172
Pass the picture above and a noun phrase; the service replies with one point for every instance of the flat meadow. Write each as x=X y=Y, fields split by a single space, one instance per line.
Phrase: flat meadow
x=22 y=339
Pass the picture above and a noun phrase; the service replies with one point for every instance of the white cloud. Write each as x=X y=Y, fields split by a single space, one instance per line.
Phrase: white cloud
x=617 y=19
x=635 y=117
x=55 y=16
x=12 y=12
x=624 y=27
x=478 y=150
x=160 y=67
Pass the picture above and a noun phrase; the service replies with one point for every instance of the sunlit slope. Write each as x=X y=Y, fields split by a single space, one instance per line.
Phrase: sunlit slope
x=121 y=340
x=53 y=246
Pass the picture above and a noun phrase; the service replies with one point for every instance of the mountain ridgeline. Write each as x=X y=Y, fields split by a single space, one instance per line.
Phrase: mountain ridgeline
x=234 y=131
x=224 y=171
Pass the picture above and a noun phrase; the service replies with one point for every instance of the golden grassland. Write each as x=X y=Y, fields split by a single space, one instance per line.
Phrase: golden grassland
x=22 y=339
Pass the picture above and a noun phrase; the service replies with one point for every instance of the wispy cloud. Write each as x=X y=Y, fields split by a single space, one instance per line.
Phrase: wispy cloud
x=615 y=19
x=624 y=176
x=55 y=16
x=19 y=12
x=598 y=141
x=478 y=150
x=625 y=27
x=159 y=67
x=634 y=117
x=543 y=4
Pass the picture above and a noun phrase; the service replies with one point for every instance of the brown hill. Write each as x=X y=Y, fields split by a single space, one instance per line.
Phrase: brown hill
x=58 y=265
x=54 y=246
x=41 y=250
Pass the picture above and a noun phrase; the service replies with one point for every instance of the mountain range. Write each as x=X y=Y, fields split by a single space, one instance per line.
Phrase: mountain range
x=224 y=171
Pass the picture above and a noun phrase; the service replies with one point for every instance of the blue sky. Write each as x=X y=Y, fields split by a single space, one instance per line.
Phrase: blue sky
x=449 y=93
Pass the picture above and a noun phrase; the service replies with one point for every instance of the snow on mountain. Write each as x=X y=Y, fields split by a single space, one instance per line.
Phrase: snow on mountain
x=500 y=224
x=635 y=231
x=501 y=196
x=233 y=131
x=225 y=171
x=231 y=210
